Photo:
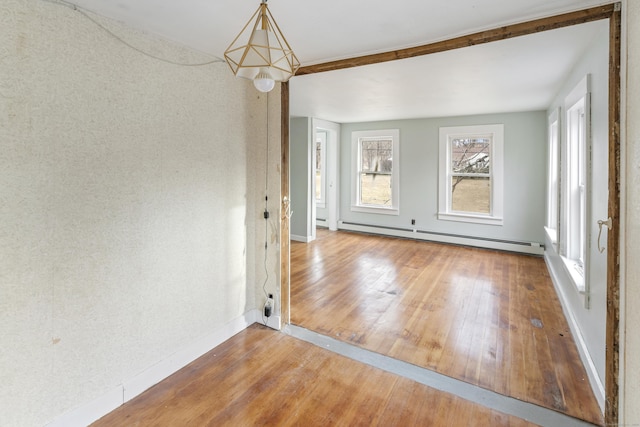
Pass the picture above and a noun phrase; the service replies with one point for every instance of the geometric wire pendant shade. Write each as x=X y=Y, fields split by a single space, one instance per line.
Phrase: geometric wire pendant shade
x=261 y=53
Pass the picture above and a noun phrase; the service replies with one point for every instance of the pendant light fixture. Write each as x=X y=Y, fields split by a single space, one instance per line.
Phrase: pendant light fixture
x=261 y=53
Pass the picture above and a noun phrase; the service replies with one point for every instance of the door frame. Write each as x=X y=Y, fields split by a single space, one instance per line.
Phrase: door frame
x=332 y=178
x=612 y=12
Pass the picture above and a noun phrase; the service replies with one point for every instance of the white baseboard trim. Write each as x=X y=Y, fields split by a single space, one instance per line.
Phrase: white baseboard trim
x=92 y=411
x=182 y=358
x=594 y=379
x=274 y=322
x=303 y=239
x=521 y=247
x=96 y=409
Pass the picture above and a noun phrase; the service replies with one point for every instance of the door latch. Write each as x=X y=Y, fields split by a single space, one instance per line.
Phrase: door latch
x=607 y=223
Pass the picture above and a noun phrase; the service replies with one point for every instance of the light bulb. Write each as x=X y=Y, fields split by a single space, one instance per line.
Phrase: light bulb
x=263 y=81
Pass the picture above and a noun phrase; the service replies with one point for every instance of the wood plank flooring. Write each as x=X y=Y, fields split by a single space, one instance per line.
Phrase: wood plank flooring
x=489 y=318
x=262 y=377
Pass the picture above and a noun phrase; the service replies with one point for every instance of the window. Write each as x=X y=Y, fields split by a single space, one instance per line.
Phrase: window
x=375 y=169
x=552 y=177
x=320 y=162
x=470 y=176
x=576 y=156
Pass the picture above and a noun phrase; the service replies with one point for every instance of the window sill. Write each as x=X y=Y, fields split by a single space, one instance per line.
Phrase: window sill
x=375 y=210
x=477 y=219
x=321 y=205
x=576 y=273
x=552 y=235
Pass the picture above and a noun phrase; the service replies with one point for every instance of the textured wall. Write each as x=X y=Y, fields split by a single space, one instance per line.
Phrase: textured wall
x=631 y=298
x=129 y=188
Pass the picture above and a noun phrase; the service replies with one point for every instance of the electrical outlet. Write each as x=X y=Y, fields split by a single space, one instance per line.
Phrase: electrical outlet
x=269 y=306
x=413 y=222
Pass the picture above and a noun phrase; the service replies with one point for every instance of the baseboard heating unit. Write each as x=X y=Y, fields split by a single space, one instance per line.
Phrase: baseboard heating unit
x=533 y=248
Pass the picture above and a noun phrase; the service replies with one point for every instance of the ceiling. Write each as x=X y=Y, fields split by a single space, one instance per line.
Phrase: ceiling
x=519 y=74
x=512 y=75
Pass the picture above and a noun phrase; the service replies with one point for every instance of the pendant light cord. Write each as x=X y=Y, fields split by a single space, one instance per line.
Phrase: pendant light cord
x=265 y=320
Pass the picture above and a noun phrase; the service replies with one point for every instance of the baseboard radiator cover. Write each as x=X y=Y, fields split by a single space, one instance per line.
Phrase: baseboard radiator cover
x=532 y=248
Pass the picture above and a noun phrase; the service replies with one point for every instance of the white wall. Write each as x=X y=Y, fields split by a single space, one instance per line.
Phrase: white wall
x=590 y=322
x=130 y=206
x=524 y=167
x=630 y=294
x=300 y=177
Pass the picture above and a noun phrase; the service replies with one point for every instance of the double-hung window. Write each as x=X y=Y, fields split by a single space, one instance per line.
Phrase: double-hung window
x=576 y=163
x=470 y=174
x=375 y=171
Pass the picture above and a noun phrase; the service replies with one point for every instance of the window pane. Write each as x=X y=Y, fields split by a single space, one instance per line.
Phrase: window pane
x=375 y=189
x=470 y=194
x=375 y=155
x=318 y=155
x=318 y=185
x=375 y=170
x=319 y=170
x=470 y=155
x=552 y=203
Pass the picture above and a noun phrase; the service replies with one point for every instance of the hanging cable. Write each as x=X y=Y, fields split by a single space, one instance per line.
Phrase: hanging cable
x=266 y=217
x=266 y=169
x=115 y=36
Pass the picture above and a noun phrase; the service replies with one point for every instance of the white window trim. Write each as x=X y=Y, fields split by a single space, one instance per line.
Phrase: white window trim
x=394 y=134
x=553 y=188
x=495 y=217
x=321 y=136
x=578 y=97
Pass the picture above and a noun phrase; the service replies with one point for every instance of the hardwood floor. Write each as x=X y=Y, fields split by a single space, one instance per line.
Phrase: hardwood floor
x=267 y=378
x=489 y=318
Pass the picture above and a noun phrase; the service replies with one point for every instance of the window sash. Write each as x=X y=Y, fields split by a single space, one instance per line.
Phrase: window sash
x=490 y=150
x=369 y=166
x=375 y=154
x=574 y=218
x=484 y=146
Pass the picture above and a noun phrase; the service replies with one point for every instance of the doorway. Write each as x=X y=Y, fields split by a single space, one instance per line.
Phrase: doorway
x=611 y=12
x=325 y=193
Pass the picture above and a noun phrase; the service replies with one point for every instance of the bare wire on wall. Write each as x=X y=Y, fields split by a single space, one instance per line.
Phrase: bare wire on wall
x=112 y=34
x=266 y=225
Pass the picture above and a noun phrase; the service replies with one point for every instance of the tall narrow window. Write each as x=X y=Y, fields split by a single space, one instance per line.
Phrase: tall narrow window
x=576 y=161
x=552 y=177
x=320 y=168
x=470 y=178
x=375 y=166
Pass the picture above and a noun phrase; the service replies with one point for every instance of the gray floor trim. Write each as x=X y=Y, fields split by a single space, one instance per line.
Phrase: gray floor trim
x=507 y=405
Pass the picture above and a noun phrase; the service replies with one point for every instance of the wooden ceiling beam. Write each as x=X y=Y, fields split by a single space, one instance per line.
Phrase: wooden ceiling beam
x=502 y=33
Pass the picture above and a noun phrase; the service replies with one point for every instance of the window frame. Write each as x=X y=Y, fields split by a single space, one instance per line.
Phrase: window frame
x=356 y=138
x=496 y=174
x=554 y=192
x=574 y=244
